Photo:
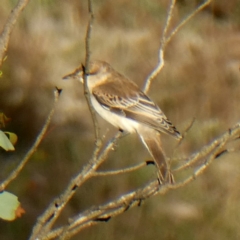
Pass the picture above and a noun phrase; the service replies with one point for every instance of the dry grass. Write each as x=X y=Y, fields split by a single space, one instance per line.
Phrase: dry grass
x=201 y=79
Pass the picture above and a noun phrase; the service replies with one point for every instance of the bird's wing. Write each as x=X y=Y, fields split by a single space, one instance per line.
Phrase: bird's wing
x=134 y=105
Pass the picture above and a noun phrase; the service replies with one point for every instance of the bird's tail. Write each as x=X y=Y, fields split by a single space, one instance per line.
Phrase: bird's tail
x=153 y=144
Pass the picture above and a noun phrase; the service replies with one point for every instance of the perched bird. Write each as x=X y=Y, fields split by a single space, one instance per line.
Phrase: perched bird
x=122 y=103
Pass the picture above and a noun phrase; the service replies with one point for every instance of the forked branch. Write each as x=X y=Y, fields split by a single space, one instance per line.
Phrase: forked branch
x=166 y=39
x=105 y=212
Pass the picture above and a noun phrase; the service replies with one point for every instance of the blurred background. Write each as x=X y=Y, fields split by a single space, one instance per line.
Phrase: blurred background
x=200 y=79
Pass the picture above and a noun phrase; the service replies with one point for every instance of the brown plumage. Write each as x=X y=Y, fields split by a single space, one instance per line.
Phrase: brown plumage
x=122 y=103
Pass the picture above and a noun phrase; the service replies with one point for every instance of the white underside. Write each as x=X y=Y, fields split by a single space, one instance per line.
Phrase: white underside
x=123 y=123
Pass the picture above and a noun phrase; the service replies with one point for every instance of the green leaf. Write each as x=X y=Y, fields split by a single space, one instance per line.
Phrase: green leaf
x=5 y=142
x=12 y=137
x=9 y=206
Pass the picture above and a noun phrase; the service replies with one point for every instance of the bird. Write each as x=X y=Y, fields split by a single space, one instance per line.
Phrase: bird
x=123 y=104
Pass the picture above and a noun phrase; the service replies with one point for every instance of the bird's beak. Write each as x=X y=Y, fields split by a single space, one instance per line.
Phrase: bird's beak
x=77 y=74
x=68 y=76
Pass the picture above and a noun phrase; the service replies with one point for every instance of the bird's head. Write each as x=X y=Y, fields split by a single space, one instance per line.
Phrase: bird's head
x=97 y=71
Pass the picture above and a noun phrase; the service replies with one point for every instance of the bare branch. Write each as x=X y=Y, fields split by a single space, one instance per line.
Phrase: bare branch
x=8 y=27
x=120 y=171
x=108 y=210
x=183 y=137
x=34 y=147
x=85 y=69
x=48 y=218
x=185 y=132
x=187 y=19
x=165 y=40
x=203 y=167
x=206 y=150
x=97 y=214
x=160 y=64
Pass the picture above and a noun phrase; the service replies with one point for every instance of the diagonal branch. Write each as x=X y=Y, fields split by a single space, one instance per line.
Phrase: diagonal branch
x=8 y=27
x=208 y=149
x=187 y=19
x=52 y=212
x=34 y=147
x=101 y=213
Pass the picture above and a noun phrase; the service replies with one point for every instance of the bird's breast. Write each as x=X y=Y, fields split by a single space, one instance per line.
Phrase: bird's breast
x=116 y=120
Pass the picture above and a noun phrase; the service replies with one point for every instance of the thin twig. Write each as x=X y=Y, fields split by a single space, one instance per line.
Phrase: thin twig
x=206 y=150
x=34 y=147
x=8 y=27
x=120 y=171
x=185 y=132
x=202 y=168
x=160 y=64
x=165 y=40
x=186 y=20
x=181 y=141
x=86 y=71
